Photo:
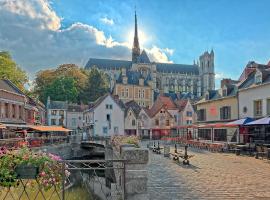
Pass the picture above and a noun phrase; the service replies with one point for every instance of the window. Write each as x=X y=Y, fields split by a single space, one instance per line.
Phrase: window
x=207 y=97
x=123 y=92
x=109 y=106
x=224 y=92
x=204 y=134
x=73 y=122
x=127 y=92
x=53 y=121
x=268 y=106
x=220 y=135
x=142 y=93
x=133 y=122
x=54 y=112
x=108 y=117
x=225 y=112
x=175 y=118
x=258 y=78
x=13 y=111
x=189 y=114
x=167 y=122
x=189 y=121
x=6 y=110
x=115 y=129
x=105 y=130
x=157 y=122
x=61 y=112
x=245 y=109
x=61 y=122
x=201 y=115
x=139 y=94
x=258 y=108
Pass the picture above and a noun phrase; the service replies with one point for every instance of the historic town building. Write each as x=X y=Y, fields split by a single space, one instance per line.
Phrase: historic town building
x=196 y=78
x=105 y=117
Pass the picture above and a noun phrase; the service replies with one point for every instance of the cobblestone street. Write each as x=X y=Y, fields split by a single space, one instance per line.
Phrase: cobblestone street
x=210 y=176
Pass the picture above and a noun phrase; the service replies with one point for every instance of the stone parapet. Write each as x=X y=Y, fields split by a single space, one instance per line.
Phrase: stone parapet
x=136 y=175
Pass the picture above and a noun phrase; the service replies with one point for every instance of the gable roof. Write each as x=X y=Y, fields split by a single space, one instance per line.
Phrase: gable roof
x=181 y=103
x=167 y=102
x=134 y=107
x=63 y=105
x=102 y=98
x=133 y=78
x=6 y=84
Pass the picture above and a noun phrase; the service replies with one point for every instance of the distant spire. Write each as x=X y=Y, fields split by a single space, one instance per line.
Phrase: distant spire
x=136 y=45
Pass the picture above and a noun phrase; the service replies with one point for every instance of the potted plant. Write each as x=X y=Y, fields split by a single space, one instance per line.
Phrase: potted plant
x=26 y=164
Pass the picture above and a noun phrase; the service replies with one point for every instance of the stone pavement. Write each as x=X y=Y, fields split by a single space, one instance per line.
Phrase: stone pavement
x=210 y=176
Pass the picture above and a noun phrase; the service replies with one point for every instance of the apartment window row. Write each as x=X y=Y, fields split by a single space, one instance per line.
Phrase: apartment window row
x=141 y=94
x=54 y=112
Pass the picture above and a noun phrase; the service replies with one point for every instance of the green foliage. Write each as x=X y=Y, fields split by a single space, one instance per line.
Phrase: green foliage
x=62 y=89
x=10 y=70
x=87 y=86
x=96 y=86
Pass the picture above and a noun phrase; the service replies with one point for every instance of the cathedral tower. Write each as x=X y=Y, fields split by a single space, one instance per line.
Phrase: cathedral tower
x=136 y=45
x=207 y=71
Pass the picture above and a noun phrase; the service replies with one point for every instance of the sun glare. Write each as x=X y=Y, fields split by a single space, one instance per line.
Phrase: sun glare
x=142 y=38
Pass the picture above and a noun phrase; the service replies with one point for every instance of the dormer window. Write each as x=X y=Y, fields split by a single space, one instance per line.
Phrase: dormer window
x=207 y=96
x=224 y=92
x=258 y=79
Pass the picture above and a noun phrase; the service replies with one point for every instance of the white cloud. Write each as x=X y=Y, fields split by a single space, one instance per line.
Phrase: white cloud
x=31 y=31
x=107 y=21
x=158 y=55
x=220 y=75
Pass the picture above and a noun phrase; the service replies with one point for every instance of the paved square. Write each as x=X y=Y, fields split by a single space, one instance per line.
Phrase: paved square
x=210 y=176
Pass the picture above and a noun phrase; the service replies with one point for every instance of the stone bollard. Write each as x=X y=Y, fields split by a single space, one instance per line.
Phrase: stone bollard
x=135 y=172
x=166 y=151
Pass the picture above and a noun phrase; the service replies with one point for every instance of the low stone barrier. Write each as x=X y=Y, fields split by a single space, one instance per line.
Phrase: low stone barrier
x=136 y=175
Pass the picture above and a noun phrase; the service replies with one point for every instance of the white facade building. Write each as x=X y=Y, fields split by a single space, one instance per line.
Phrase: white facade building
x=104 y=118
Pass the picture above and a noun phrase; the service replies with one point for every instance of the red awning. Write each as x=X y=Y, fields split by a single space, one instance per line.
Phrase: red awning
x=186 y=126
x=218 y=125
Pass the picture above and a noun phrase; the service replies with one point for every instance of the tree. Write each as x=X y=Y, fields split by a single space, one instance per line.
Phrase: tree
x=96 y=85
x=62 y=89
x=45 y=78
x=10 y=70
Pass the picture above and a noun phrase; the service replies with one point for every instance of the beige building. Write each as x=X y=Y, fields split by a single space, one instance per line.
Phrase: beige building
x=218 y=105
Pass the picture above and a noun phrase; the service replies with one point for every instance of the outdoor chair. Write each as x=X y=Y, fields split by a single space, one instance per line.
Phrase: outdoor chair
x=260 y=152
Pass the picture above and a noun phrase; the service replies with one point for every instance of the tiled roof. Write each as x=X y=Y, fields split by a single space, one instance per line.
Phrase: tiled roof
x=167 y=102
x=181 y=104
x=143 y=58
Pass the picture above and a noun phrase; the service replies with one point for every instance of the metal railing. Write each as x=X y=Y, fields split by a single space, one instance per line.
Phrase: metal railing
x=89 y=179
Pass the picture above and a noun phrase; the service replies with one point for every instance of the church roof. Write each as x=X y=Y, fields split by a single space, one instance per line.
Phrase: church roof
x=143 y=58
x=107 y=63
x=161 y=67
x=133 y=78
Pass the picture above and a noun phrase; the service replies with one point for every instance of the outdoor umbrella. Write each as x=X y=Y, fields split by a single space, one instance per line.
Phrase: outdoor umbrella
x=262 y=121
x=241 y=121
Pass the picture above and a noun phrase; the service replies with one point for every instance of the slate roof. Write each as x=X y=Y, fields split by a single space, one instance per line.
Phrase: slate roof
x=133 y=78
x=134 y=106
x=161 y=67
x=143 y=58
x=250 y=80
x=9 y=86
x=62 y=105
x=76 y=108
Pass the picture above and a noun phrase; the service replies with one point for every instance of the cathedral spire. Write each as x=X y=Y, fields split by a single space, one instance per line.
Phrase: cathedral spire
x=136 y=45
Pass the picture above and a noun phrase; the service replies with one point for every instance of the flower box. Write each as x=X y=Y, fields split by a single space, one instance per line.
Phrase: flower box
x=26 y=171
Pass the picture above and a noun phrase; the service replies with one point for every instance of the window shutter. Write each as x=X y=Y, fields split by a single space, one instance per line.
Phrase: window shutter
x=229 y=112
x=221 y=113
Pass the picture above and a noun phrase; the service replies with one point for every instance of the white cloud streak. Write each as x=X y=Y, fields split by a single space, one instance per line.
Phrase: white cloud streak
x=31 y=30
x=107 y=21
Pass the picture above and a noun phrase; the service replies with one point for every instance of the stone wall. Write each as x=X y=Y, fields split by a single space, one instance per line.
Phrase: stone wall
x=136 y=175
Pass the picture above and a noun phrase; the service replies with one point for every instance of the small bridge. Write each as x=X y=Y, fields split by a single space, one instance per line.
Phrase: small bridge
x=92 y=144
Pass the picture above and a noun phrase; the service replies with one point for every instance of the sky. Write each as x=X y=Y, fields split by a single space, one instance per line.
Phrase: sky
x=42 y=34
